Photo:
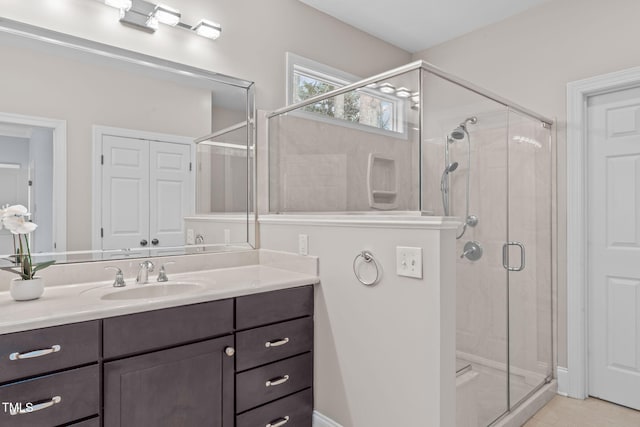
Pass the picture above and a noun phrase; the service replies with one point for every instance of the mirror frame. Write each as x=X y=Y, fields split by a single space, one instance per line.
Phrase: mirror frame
x=46 y=36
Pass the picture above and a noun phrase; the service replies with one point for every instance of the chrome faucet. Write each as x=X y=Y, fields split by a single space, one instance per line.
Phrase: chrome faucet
x=146 y=267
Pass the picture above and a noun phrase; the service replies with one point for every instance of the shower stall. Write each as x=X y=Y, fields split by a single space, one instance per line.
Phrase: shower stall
x=419 y=141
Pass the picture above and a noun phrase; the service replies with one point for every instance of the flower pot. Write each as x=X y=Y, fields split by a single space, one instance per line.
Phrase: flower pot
x=25 y=290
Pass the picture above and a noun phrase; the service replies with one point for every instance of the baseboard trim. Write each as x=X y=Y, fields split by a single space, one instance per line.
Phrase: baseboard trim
x=562 y=375
x=320 y=420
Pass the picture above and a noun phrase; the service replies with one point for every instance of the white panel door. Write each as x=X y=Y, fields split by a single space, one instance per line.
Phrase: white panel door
x=13 y=191
x=170 y=195
x=614 y=247
x=125 y=193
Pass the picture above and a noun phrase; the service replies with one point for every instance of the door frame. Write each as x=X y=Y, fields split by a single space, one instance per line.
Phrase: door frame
x=96 y=173
x=59 y=178
x=578 y=94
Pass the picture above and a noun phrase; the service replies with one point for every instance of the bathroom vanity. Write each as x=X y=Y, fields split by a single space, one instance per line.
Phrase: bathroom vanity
x=242 y=361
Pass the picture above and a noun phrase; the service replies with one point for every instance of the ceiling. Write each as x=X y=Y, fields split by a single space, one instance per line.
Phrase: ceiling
x=414 y=25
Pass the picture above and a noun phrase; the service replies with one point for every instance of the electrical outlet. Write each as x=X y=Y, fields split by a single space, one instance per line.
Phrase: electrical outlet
x=303 y=244
x=227 y=236
x=191 y=236
x=409 y=262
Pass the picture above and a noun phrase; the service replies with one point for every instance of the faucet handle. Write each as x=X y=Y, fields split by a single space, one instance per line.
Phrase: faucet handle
x=162 y=274
x=119 y=280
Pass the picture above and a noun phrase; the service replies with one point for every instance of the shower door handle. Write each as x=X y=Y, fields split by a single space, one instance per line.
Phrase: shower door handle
x=505 y=256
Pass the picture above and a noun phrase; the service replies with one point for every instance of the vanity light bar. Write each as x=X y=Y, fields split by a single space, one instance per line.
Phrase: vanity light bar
x=145 y=16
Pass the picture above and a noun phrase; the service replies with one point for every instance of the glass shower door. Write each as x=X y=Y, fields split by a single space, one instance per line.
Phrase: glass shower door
x=527 y=256
x=482 y=316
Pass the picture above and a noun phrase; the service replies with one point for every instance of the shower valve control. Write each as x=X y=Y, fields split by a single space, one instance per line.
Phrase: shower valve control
x=409 y=262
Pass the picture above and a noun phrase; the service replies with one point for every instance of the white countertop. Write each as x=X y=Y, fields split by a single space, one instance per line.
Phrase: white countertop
x=81 y=302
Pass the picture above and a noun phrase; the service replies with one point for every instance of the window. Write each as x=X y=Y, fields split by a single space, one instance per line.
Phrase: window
x=361 y=107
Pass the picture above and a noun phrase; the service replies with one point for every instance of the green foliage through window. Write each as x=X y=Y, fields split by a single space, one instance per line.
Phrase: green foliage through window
x=354 y=106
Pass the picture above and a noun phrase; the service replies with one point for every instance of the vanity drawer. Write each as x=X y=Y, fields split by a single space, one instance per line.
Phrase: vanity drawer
x=77 y=393
x=271 y=307
x=93 y=422
x=270 y=382
x=63 y=347
x=136 y=333
x=296 y=410
x=270 y=343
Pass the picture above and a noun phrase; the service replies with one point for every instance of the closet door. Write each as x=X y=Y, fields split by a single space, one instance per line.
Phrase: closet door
x=125 y=192
x=170 y=193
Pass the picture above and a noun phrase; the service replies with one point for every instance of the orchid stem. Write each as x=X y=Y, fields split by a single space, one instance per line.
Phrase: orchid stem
x=26 y=241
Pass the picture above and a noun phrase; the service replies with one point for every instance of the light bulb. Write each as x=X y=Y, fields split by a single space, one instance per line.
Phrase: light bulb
x=167 y=15
x=119 y=4
x=208 y=29
x=387 y=88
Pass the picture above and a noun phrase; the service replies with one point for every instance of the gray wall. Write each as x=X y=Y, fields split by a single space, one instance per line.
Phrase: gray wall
x=255 y=36
x=530 y=58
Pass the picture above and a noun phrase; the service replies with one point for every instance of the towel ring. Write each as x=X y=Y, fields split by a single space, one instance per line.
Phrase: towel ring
x=368 y=258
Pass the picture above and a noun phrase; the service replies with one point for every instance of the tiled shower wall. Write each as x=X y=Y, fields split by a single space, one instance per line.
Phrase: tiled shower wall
x=322 y=167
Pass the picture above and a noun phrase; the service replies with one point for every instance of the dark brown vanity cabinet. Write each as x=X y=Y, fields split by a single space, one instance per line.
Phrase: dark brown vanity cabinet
x=190 y=385
x=240 y=362
x=155 y=375
x=274 y=363
x=50 y=376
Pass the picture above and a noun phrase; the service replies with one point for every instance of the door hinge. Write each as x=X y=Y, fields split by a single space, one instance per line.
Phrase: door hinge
x=30 y=183
x=102 y=232
x=190 y=166
x=55 y=245
x=102 y=159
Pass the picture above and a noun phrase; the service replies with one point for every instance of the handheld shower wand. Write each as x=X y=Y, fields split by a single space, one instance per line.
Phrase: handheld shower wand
x=444 y=185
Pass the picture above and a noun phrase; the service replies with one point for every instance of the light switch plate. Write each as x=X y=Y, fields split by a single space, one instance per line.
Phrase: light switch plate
x=409 y=262
x=191 y=237
x=303 y=244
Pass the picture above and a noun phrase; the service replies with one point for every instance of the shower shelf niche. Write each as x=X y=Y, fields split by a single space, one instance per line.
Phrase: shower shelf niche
x=382 y=182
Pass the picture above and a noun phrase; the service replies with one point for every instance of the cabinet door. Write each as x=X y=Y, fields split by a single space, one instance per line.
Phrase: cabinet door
x=187 y=386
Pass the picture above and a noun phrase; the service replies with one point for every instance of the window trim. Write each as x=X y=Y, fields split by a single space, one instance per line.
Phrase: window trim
x=324 y=72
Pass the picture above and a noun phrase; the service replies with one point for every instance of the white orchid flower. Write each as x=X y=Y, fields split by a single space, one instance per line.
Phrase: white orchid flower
x=15 y=219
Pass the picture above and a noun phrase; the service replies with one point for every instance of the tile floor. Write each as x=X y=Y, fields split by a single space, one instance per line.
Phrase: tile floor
x=566 y=412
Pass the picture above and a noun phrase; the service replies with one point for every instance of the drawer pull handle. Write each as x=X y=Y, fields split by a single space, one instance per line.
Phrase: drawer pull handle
x=277 y=381
x=36 y=406
x=279 y=422
x=35 y=353
x=276 y=343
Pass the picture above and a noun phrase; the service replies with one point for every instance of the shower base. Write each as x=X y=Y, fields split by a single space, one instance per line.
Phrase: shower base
x=490 y=403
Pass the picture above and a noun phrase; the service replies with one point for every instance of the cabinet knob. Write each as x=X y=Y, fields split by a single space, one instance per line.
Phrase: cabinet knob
x=143 y=242
x=155 y=242
x=229 y=351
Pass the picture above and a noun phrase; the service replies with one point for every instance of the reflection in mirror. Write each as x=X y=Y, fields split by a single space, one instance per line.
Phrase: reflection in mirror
x=98 y=143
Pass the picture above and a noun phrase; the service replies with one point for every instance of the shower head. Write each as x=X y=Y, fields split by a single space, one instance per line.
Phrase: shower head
x=459 y=132
x=451 y=167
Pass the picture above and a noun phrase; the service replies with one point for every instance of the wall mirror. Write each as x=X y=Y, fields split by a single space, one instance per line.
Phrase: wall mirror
x=118 y=154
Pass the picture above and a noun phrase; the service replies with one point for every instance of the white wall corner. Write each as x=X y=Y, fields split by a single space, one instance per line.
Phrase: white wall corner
x=320 y=420
x=562 y=375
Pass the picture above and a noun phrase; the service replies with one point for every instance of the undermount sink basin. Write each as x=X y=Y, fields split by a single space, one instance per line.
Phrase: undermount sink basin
x=152 y=290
